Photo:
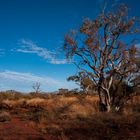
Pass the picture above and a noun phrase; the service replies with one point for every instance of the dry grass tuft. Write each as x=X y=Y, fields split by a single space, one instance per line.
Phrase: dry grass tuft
x=5 y=116
x=132 y=106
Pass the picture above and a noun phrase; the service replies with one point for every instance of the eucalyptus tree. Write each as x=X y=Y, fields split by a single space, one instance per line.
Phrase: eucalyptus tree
x=101 y=49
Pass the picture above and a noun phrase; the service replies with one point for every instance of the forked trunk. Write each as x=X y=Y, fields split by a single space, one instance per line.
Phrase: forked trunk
x=104 y=101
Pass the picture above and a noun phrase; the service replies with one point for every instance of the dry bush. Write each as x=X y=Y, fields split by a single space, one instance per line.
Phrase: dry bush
x=37 y=115
x=36 y=102
x=132 y=106
x=6 y=105
x=4 y=116
x=12 y=104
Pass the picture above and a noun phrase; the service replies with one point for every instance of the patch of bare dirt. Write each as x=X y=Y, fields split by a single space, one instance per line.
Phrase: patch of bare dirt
x=18 y=129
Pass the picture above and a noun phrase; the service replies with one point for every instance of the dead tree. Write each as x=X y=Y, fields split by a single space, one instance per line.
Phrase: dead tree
x=36 y=87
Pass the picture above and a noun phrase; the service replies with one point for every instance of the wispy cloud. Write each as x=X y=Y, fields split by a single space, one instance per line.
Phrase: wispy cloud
x=28 y=46
x=24 y=81
x=138 y=45
x=2 y=52
x=58 y=61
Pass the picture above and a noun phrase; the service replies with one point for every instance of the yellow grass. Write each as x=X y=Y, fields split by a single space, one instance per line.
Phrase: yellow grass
x=72 y=106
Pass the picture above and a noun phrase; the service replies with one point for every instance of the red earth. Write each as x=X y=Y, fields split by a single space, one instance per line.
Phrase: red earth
x=18 y=129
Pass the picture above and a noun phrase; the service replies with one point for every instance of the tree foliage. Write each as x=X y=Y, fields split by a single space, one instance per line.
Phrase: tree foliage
x=83 y=80
x=100 y=48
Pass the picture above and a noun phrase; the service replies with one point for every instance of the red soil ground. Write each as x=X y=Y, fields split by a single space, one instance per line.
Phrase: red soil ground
x=18 y=129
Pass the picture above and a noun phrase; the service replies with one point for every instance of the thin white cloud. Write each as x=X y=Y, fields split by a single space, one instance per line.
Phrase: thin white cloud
x=57 y=61
x=26 y=77
x=2 y=52
x=138 y=45
x=24 y=81
x=28 y=46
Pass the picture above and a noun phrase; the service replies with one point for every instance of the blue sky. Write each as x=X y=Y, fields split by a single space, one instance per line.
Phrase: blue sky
x=31 y=33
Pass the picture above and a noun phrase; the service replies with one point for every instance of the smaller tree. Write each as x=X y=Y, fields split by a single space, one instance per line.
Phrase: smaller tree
x=36 y=87
x=83 y=80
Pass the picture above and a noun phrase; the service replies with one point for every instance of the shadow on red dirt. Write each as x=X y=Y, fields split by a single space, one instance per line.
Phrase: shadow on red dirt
x=18 y=129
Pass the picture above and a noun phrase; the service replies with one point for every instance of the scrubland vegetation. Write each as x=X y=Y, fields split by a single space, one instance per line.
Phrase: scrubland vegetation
x=66 y=117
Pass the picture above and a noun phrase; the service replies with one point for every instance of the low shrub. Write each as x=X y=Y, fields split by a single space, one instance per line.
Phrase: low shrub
x=4 y=116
